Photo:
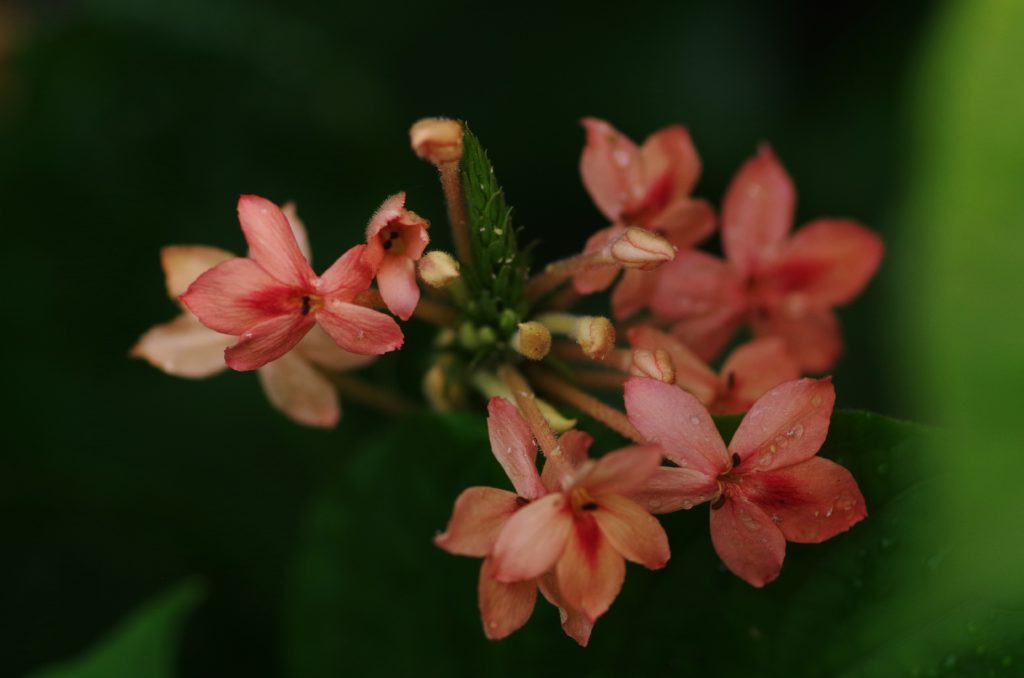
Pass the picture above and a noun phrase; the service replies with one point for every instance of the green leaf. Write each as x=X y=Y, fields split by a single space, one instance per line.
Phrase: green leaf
x=144 y=645
x=371 y=594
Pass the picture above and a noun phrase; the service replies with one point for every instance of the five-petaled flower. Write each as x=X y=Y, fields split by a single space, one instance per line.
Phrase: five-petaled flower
x=766 y=488
x=782 y=286
x=395 y=240
x=566 y=531
x=272 y=298
x=647 y=186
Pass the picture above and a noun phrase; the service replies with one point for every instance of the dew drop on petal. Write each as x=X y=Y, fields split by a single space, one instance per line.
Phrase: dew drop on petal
x=654 y=504
x=796 y=431
x=749 y=522
x=694 y=420
x=816 y=400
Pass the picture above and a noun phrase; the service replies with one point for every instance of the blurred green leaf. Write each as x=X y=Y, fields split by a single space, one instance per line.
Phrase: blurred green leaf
x=142 y=646
x=370 y=593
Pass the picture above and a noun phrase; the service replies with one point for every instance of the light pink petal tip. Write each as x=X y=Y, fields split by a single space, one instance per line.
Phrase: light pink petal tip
x=787 y=425
x=358 y=329
x=183 y=264
x=674 y=419
x=477 y=519
x=669 y=155
x=396 y=278
x=752 y=370
x=514 y=448
x=611 y=168
x=747 y=541
x=271 y=241
x=504 y=608
x=532 y=539
x=184 y=348
x=388 y=211
x=757 y=211
x=574 y=623
x=300 y=391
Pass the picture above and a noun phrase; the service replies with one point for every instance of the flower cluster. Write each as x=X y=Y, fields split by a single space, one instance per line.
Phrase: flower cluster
x=571 y=523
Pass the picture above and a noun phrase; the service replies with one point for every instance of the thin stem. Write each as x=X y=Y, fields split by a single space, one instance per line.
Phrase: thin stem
x=426 y=309
x=451 y=182
x=558 y=272
x=564 y=299
x=616 y=359
x=377 y=397
x=562 y=390
x=527 y=403
x=612 y=381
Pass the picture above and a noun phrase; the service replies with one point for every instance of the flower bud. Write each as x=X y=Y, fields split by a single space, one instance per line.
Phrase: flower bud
x=640 y=248
x=655 y=364
x=437 y=140
x=532 y=340
x=438 y=269
x=595 y=335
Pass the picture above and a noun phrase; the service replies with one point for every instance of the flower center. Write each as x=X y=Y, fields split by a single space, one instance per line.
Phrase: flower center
x=581 y=500
x=391 y=240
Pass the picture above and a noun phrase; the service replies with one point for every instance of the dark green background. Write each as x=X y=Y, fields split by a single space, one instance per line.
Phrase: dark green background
x=126 y=125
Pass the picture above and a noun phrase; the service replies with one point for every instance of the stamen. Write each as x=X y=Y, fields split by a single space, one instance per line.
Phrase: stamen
x=305 y=305
x=735 y=459
x=590 y=506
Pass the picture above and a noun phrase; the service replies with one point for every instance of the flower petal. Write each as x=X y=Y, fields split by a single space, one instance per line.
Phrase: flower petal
x=296 y=388
x=237 y=295
x=669 y=155
x=349 y=275
x=267 y=341
x=574 y=445
x=674 y=419
x=703 y=291
x=574 y=623
x=590 y=572
x=388 y=211
x=611 y=168
x=532 y=539
x=504 y=608
x=183 y=264
x=291 y=213
x=319 y=348
x=184 y=348
x=635 y=533
x=787 y=425
x=812 y=338
x=600 y=277
x=359 y=329
x=271 y=242
x=672 y=489
x=514 y=448
x=685 y=222
x=811 y=501
x=622 y=471
x=633 y=292
x=692 y=373
x=829 y=261
x=757 y=211
x=396 y=278
x=751 y=370
x=747 y=541
x=477 y=519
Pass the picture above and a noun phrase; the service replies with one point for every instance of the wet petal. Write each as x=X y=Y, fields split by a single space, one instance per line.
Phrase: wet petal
x=296 y=388
x=757 y=211
x=811 y=501
x=237 y=295
x=611 y=168
x=813 y=338
x=622 y=471
x=752 y=370
x=672 y=489
x=184 y=348
x=267 y=341
x=669 y=155
x=574 y=623
x=635 y=533
x=514 y=448
x=347 y=277
x=674 y=419
x=319 y=348
x=696 y=284
x=183 y=264
x=359 y=329
x=396 y=278
x=785 y=426
x=504 y=608
x=477 y=519
x=271 y=242
x=532 y=539
x=600 y=277
x=685 y=222
x=747 y=541
x=590 y=572
x=692 y=373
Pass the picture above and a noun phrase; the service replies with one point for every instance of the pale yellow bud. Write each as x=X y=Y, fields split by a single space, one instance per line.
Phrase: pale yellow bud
x=595 y=335
x=437 y=140
x=532 y=340
x=655 y=364
x=640 y=248
x=438 y=269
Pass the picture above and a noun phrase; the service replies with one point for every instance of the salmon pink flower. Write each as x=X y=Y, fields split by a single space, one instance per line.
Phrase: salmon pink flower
x=184 y=347
x=780 y=284
x=272 y=298
x=647 y=186
x=395 y=241
x=767 y=488
x=747 y=373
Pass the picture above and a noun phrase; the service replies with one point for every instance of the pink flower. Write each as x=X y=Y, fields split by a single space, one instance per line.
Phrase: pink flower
x=647 y=186
x=747 y=373
x=565 y=533
x=184 y=347
x=782 y=285
x=272 y=298
x=767 y=488
x=395 y=240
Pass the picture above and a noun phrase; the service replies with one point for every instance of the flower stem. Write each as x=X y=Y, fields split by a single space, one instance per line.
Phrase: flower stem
x=526 y=400
x=562 y=390
x=612 y=381
x=451 y=182
x=427 y=310
x=559 y=271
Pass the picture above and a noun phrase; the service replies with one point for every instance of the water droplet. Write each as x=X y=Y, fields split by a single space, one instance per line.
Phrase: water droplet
x=694 y=420
x=654 y=504
x=749 y=522
x=687 y=504
x=816 y=400
x=828 y=513
x=563 y=615
x=776 y=518
x=796 y=431
x=817 y=513
x=493 y=624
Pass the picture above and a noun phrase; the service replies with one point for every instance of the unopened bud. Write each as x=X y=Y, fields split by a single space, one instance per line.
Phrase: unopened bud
x=595 y=335
x=531 y=340
x=438 y=269
x=640 y=248
x=655 y=364
x=558 y=422
x=437 y=140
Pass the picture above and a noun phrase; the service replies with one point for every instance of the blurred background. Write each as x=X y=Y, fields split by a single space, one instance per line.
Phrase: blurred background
x=126 y=125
